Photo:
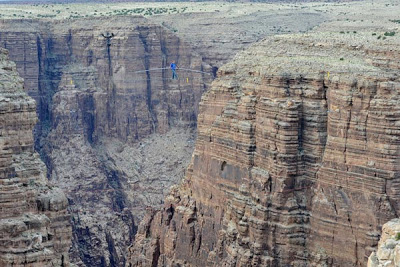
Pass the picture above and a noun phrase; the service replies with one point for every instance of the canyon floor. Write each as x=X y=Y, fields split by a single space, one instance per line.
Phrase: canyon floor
x=115 y=141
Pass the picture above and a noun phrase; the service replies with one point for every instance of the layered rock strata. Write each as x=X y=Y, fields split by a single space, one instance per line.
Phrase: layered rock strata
x=100 y=111
x=134 y=102
x=296 y=159
x=34 y=223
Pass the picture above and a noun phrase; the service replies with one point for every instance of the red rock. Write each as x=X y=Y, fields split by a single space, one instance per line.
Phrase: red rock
x=291 y=167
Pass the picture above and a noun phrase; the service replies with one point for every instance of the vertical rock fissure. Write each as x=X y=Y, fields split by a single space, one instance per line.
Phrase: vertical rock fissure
x=114 y=261
x=119 y=197
x=148 y=81
x=39 y=65
x=110 y=73
x=164 y=74
x=69 y=42
x=88 y=117
x=111 y=88
x=49 y=78
x=348 y=123
x=355 y=239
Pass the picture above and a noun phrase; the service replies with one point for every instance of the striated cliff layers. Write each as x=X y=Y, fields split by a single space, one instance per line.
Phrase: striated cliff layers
x=34 y=222
x=135 y=102
x=296 y=159
x=100 y=113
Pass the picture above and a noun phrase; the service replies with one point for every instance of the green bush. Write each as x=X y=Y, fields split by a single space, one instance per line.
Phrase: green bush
x=397 y=237
x=389 y=33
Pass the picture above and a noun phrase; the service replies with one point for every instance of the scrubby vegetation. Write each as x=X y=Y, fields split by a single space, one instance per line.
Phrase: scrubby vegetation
x=84 y=10
x=389 y=33
x=397 y=237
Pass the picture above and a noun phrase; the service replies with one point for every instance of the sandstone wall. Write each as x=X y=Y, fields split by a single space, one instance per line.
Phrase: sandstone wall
x=296 y=160
x=34 y=223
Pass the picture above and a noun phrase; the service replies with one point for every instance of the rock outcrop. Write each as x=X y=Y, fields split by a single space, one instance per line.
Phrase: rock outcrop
x=296 y=159
x=100 y=111
x=34 y=223
x=388 y=253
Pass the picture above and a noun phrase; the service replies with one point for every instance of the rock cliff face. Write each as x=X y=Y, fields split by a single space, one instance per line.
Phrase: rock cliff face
x=296 y=159
x=34 y=222
x=100 y=113
x=136 y=102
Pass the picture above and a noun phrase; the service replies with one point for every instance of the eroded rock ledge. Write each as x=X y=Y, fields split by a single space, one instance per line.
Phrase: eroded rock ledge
x=296 y=160
x=34 y=223
x=388 y=253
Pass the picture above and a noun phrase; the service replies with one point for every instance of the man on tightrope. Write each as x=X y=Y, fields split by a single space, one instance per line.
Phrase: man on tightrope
x=173 y=68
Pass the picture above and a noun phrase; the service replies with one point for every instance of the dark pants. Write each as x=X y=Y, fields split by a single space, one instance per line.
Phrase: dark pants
x=174 y=75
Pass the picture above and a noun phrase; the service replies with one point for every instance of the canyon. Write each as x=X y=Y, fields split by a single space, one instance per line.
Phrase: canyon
x=96 y=105
x=115 y=137
x=295 y=141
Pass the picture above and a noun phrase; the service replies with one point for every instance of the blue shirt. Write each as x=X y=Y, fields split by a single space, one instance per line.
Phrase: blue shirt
x=173 y=66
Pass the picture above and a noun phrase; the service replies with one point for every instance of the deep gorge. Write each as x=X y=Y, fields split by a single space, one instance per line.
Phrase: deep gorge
x=94 y=99
x=283 y=156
